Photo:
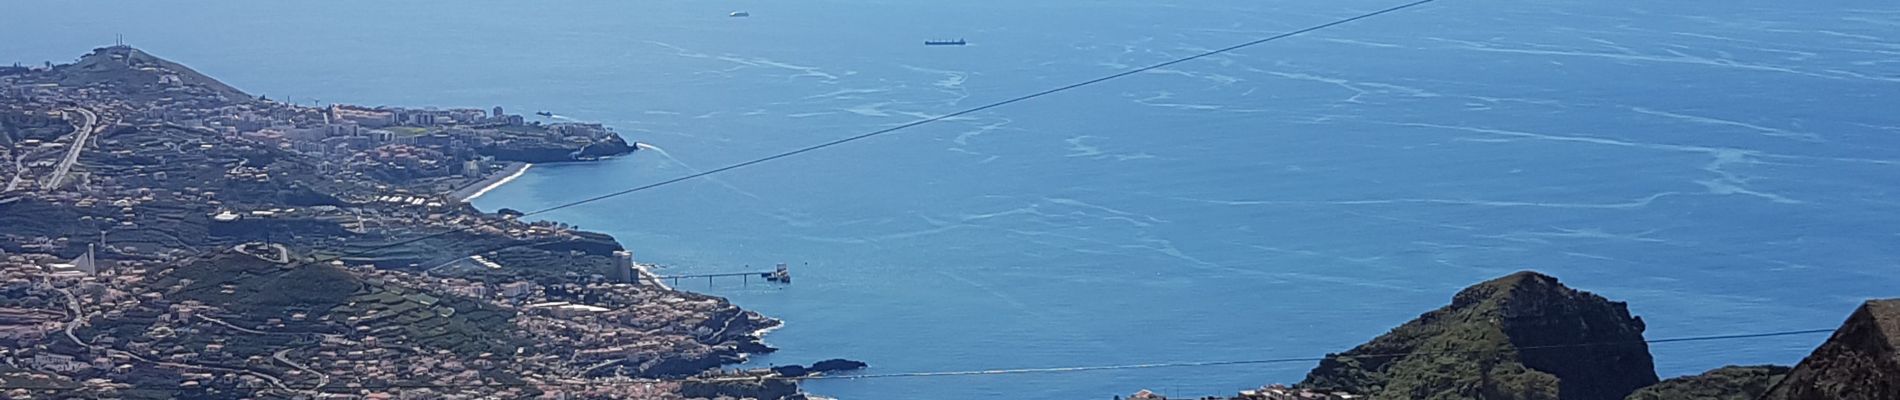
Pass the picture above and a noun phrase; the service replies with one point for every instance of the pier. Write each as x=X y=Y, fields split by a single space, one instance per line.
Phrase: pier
x=781 y=275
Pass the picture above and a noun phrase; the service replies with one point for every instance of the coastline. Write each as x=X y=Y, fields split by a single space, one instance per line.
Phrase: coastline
x=492 y=181
x=646 y=274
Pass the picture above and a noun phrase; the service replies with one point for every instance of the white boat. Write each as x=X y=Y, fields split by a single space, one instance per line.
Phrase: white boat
x=736 y=14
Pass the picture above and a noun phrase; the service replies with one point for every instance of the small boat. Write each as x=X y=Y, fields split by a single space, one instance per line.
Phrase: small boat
x=544 y=113
x=737 y=14
x=958 y=42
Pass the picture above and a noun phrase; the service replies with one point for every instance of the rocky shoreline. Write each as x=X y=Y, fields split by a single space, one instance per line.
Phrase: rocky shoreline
x=748 y=334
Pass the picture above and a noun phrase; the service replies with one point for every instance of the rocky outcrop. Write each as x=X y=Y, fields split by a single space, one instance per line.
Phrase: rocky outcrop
x=837 y=365
x=791 y=370
x=762 y=388
x=1523 y=336
x=832 y=365
x=586 y=242
x=612 y=146
x=1859 y=362
x=549 y=152
x=1726 y=383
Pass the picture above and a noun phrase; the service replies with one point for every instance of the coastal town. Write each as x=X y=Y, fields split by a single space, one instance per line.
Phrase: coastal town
x=1268 y=392
x=164 y=235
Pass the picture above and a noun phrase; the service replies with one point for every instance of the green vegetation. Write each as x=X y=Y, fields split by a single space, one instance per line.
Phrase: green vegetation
x=1726 y=383
x=258 y=289
x=460 y=325
x=1492 y=343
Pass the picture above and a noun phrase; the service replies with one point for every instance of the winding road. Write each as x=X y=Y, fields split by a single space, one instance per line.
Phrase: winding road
x=79 y=317
x=283 y=356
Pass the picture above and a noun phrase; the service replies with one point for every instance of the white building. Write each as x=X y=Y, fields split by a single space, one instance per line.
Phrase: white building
x=623 y=267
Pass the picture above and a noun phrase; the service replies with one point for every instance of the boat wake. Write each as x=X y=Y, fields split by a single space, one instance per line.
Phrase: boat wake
x=689 y=167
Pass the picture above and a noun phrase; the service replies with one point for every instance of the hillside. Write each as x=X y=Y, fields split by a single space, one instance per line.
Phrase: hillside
x=247 y=248
x=1522 y=336
x=1726 y=383
x=1859 y=362
x=136 y=71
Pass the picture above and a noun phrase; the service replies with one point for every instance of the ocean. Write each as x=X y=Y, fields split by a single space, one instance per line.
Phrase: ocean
x=1724 y=166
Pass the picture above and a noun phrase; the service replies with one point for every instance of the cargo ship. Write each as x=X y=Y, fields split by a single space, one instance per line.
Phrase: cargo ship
x=958 y=42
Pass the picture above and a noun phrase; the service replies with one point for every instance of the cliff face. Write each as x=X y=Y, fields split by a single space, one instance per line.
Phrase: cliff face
x=744 y=389
x=1858 y=363
x=1726 y=383
x=612 y=146
x=558 y=152
x=1522 y=336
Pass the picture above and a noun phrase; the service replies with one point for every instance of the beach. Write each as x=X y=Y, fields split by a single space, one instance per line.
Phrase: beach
x=492 y=181
x=646 y=275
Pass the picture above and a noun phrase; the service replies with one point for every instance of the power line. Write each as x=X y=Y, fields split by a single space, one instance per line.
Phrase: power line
x=1310 y=359
x=907 y=125
x=880 y=132
x=895 y=129
x=1018 y=371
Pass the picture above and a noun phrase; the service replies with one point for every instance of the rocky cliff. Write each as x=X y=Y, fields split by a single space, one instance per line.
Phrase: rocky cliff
x=550 y=152
x=1522 y=336
x=1859 y=362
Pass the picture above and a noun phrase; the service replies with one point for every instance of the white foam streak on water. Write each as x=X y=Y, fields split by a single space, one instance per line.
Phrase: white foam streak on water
x=689 y=167
x=1288 y=200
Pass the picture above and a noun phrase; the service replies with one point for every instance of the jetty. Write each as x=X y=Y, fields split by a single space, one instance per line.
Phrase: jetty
x=780 y=275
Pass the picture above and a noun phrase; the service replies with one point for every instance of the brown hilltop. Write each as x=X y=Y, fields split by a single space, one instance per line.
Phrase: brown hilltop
x=1522 y=336
x=1860 y=362
x=140 y=72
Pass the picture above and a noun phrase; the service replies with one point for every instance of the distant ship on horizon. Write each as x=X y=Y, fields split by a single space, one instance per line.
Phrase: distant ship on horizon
x=958 y=42
x=544 y=113
x=737 y=14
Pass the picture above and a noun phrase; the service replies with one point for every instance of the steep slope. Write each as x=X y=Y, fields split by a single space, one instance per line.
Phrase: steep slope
x=1859 y=362
x=1726 y=383
x=1522 y=336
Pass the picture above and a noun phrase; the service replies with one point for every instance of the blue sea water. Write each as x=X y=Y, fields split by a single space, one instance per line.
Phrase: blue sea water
x=1723 y=166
